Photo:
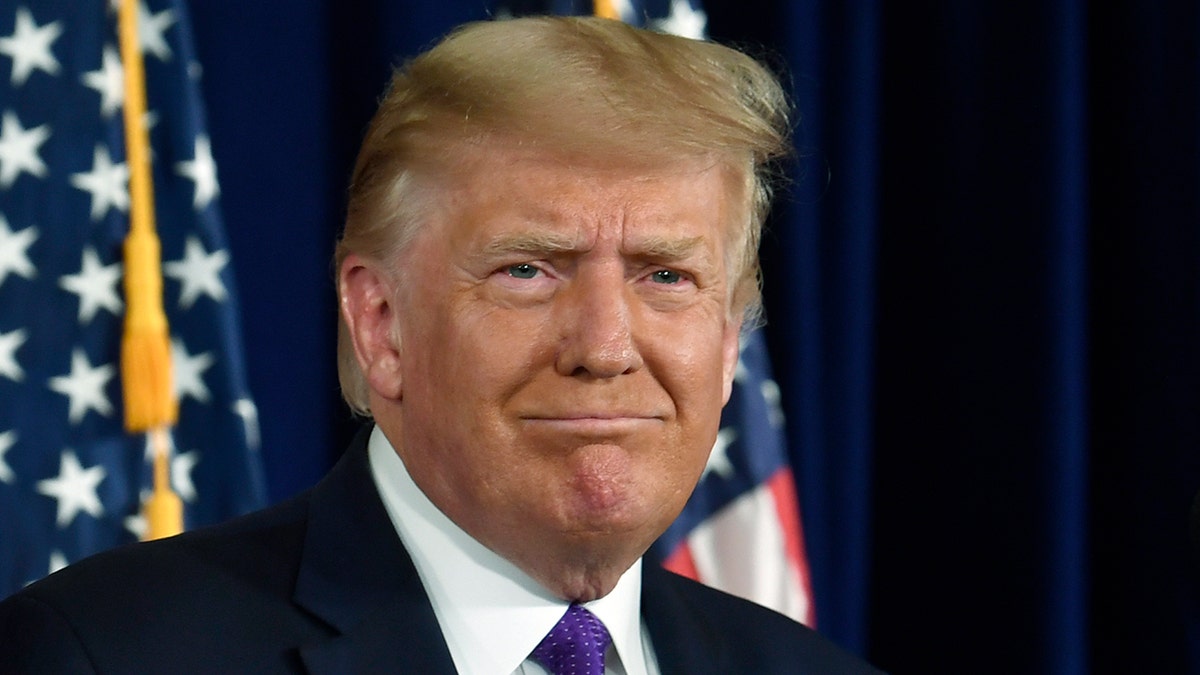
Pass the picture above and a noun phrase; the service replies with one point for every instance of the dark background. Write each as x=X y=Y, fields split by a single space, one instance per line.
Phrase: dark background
x=982 y=288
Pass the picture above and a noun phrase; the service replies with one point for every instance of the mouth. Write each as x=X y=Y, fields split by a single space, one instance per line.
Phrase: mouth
x=597 y=424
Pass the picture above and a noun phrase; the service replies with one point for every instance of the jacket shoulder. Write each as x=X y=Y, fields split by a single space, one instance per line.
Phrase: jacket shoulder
x=139 y=601
x=746 y=636
x=264 y=540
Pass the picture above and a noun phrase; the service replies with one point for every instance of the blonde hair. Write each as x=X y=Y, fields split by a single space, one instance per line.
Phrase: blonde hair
x=578 y=87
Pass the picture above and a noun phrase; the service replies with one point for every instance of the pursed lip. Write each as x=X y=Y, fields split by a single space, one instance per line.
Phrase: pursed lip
x=592 y=422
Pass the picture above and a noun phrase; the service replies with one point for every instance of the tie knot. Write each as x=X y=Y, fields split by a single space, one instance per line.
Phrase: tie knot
x=576 y=644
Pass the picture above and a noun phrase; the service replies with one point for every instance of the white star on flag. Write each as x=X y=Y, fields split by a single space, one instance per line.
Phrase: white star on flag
x=181 y=474
x=109 y=81
x=188 y=372
x=29 y=46
x=684 y=20
x=199 y=272
x=106 y=182
x=19 y=149
x=96 y=286
x=182 y=464
x=770 y=394
x=149 y=450
x=718 y=459
x=7 y=440
x=203 y=172
x=74 y=488
x=135 y=523
x=14 y=251
x=624 y=9
x=151 y=30
x=245 y=409
x=57 y=561
x=84 y=387
x=9 y=344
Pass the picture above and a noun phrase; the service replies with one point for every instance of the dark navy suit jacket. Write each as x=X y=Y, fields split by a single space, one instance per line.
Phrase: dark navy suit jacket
x=322 y=584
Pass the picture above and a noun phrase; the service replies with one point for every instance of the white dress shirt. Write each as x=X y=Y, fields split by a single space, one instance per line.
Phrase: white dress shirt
x=492 y=614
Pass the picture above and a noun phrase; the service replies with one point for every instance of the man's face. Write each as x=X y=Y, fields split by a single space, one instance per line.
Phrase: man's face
x=565 y=346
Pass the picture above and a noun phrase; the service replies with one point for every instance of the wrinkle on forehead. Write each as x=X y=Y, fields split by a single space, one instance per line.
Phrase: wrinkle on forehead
x=540 y=243
x=571 y=192
x=583 y=200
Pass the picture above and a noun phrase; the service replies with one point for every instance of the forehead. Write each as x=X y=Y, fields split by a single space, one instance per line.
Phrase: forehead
x=582 y=201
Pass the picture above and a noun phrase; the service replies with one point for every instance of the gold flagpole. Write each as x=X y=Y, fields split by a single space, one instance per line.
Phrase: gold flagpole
x=150 y=404
x=606 y=9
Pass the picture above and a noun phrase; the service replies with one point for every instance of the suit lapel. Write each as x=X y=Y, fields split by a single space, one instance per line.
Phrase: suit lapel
x=684 y=643
x=356 y=576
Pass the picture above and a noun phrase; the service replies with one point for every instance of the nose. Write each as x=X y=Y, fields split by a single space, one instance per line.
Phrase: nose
x=597 y=326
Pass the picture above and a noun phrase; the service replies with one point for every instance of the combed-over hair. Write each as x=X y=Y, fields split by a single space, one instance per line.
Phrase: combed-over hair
x=578 y=87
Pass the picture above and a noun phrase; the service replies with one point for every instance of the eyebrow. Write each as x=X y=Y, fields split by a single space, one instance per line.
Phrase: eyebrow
x=548 y=243
x=661 y=248
x=529 y=242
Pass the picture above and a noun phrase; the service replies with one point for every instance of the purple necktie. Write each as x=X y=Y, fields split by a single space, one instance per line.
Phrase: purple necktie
x=575 y=646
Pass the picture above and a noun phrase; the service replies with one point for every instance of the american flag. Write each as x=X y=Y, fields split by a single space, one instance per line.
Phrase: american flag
x=678 y=17
x=740 y=531
x=71 y=478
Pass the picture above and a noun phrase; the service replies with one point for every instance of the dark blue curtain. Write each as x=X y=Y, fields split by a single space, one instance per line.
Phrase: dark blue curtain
x=983 y=292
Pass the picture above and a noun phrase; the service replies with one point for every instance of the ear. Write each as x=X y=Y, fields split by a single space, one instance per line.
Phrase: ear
x=730 y=350
x=369 y=313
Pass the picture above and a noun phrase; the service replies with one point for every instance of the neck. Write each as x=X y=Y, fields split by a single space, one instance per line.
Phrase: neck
x=574 y=581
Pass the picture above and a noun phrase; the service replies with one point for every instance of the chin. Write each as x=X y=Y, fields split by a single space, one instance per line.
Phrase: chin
x=627 y=530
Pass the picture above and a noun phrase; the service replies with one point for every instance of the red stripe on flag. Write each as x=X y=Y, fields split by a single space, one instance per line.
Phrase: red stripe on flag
x=681 y=562
x=787 y=508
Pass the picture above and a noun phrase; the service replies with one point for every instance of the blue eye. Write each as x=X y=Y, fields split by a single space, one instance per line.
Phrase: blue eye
x=666 y=277
x=522 y=271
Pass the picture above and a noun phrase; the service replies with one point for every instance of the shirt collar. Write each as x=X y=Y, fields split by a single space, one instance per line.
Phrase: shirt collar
x=491 y=613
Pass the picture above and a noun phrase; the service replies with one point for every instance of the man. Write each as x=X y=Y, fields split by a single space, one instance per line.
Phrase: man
x=549 y=254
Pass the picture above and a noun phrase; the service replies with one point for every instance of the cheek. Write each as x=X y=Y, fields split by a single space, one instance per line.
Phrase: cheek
x=694 y=370
x=474 y=361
